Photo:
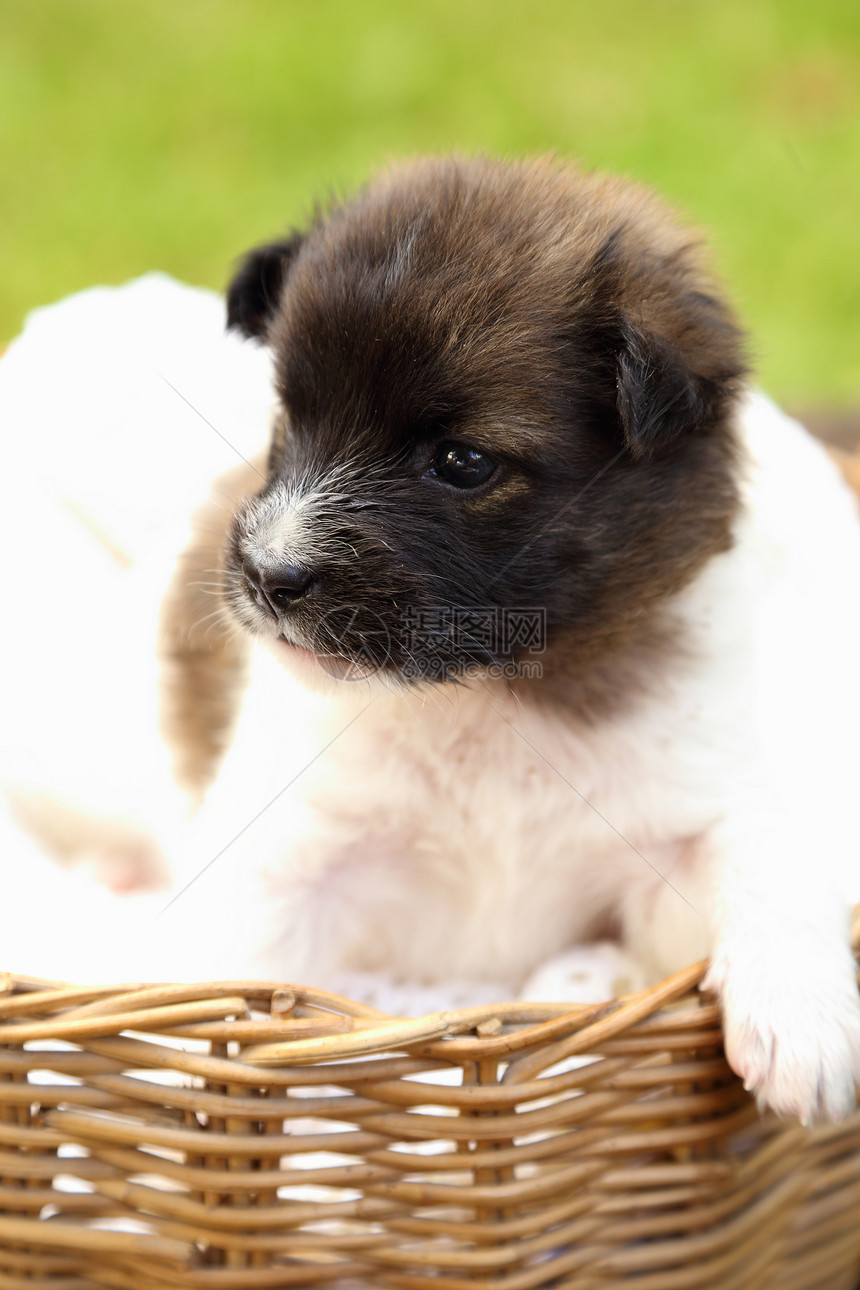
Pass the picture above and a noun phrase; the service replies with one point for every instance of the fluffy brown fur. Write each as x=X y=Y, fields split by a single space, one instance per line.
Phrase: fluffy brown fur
x=202 y=656
x=562 y=324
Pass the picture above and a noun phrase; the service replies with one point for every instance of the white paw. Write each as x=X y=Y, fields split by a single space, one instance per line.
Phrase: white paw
x=793 y=1037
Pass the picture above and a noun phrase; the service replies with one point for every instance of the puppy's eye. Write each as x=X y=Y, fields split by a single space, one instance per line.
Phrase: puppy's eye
x=461 y=466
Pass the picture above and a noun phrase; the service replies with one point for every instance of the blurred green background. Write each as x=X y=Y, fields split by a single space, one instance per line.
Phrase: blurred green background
x=151 y=134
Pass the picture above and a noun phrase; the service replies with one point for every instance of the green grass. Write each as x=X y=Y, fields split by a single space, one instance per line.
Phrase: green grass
x=151 y=133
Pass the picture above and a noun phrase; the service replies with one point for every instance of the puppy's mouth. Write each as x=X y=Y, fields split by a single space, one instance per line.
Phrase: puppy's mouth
x=352 y=641
x=354 y=624
x=338 y=667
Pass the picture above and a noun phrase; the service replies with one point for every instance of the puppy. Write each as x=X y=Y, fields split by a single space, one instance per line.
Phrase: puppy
x=513 y=387
x=546 y=624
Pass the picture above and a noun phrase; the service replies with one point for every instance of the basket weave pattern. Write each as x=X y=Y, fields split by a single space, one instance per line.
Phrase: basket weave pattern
x=239 y=1135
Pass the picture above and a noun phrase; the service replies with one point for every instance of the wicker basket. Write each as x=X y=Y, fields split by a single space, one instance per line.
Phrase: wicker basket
x=239 y=1135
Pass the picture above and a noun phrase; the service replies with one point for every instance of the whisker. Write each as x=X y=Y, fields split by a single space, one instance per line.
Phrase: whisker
x=221 y=612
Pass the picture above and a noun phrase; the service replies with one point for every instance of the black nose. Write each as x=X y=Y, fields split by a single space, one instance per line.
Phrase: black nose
x=276 y=589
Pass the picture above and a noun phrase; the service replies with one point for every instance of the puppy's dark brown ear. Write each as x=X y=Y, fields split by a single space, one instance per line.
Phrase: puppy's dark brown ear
x=255 y=292
x=666 y=392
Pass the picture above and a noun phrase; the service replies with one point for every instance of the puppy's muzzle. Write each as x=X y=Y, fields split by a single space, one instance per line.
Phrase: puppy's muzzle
x=275 y=590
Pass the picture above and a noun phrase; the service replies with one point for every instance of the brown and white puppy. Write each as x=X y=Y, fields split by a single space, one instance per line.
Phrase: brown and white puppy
x=509 y=386
x=552 y=618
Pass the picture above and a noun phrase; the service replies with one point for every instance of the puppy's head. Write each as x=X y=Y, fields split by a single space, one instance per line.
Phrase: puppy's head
x=504 y=387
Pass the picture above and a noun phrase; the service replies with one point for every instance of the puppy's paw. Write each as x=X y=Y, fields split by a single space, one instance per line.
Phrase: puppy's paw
x=793 y=1039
